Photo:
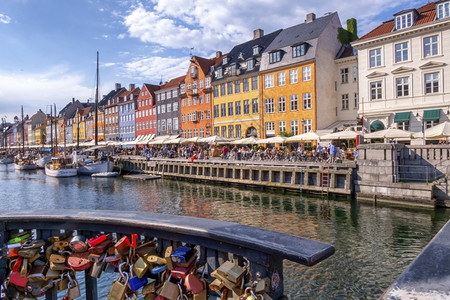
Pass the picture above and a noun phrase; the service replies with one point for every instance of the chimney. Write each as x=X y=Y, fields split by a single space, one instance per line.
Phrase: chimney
x=218 y=54
x=131 y=86
x=310 y=17
x=73 y=100
x=118 y=86
x=257 y=33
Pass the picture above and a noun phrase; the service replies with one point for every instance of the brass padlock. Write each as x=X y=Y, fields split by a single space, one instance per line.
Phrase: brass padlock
x=231 y=271
x=167 y=254
x=52 y=274
x=262 y=286
x=119 y=286
x=140 y=267
x=97 y=268
x=170 y=290
x=73 y=289
x=62 y=283
x=149 y=287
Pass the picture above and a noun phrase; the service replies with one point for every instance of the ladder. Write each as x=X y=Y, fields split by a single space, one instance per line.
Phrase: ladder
x=325 y=183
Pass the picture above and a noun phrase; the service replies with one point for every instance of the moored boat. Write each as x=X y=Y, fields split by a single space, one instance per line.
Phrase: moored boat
x=61 y=167
x=89 y=167
x=6 y=160
x=24 y=164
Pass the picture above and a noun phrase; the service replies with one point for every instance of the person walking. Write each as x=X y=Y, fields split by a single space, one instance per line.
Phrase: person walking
x=332 y=153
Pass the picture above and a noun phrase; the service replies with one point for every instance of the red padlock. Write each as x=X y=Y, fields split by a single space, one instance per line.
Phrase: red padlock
x=79 y=261
x=96 y=240
x=123 y=245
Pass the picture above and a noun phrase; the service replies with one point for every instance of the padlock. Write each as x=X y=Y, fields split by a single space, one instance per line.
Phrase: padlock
x=182 y=254
x=97 y=268
x=123 y=245
x=78 y=244
x=135 y=282
x=193 y=283
x=231 y=271
x=150 y=296
x=149 y=287
x=57 y=258
x=140 y=267
x=28 y=253
x=20 y=237
x=154 y=259
x=146 y=249
x=33 y=244
x=79 y=261
x=216 y=285
x=119 y=286
x=38 y=273
x=57 y=267
x=112 y=262
x=159 y=269
x=180 y=273
x=62 y=283
x=167 y=256
x=60 y=237
x=262 y=286
x=92 y=242
x=52 y=274
x=35 y=289
x=102 y=247
x=170 y=290
x=8 y=291
x=73 y=289
x=227 y=283
x=61 y=245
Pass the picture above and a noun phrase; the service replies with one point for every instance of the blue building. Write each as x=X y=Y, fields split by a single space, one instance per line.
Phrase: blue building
x=127 y=129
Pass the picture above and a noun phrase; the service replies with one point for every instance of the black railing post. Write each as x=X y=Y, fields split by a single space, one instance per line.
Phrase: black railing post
x=3 y=239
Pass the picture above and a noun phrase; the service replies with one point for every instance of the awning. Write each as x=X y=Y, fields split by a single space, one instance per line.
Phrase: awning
x=431 y=115
x=402 y=117
x=376 y=125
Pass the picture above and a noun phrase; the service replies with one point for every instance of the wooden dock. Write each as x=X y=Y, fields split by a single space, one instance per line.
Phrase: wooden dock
x=141 y=176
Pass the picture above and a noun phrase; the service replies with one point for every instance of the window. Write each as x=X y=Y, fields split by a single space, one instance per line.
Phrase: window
x=163 y=109
x=246 y=107
x=443 y=10
x=200 y=99
x=306 y=100
x=216 y=130
x=281 y=126
x=294 y=127
x=194 y=100
x=237 y=105
x=294 y=102
x=255 y=105
x=281 y=104
x=268 y=81
x=344 y=75
x=175 y=106
x=274 y=57
x=223 y=110
x=188 y=86
x=344 y=101
x=230 y=108
x=195 y=132
x=403 y=21
x=355 y=73
x=281 y=78
x=270 y=105
x=222 y=89
x=230 y=88
x=402 y=86
x=376 y=89
x=307 y=125
x=208 y=114
x=207 y=98
x=202 y=115
x=246 y=84
x=430 y=46
x=219 y=73
x=216 y=91
x=375 y=57
x=200 y=84
x=356 y=98
x=207 y=82
x=230 y=131
x=270 y=129
x=237 y=86
x=163 y=125
x=175 y=123
x=250 y=64
x=401 y=52
x=238 y=131
x=233 y=69
x=224 y=131
x=255 y=50
x=189 y=133
x=306 y=73
x=202 y=132
x=293 y=77
x=254 y=83
x=189 y=101
x=299 y=50
x=432 y=83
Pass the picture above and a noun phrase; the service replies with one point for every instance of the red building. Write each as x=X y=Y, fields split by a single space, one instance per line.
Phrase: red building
x=146 y=110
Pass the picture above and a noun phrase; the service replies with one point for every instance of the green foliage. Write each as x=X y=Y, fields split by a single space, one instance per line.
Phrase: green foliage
x=285 y=134
x=352 y=27
x=345 y=37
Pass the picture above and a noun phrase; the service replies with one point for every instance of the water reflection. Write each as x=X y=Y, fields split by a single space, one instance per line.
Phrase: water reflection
x=373 y=244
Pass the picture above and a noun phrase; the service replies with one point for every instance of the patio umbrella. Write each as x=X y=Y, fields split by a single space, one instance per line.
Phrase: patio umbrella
x=309 y=136
x=247 y=141
x=390 y=133
x=273 y=140
x=194 y=139
x=440 y=131
x=174 y=141
x=215 y=139
x=341 y=135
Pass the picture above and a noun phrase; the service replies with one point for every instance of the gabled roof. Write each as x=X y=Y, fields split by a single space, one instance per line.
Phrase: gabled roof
x=173 y=82
x=426 y=14
x=346 y=51
x=151 y=87
x=205 y=63
x=300 y=33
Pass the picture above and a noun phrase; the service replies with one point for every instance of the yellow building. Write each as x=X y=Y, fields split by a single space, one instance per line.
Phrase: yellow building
x=237 y=89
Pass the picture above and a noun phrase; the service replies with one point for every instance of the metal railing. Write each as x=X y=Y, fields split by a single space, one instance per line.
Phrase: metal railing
x=264 y=249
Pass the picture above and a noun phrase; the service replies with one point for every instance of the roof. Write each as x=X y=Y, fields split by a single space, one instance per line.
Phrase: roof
x=173 y=82
x=151 y=88
x=205 y=63
x=346 y=51
x=425 y=15
x=300 y=33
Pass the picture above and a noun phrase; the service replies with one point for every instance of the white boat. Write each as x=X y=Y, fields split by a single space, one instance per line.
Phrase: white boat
x=24 y=164
x=6 y=161
x=61 y=167
x=89 y=166
x=42 y=161
x=106 y=174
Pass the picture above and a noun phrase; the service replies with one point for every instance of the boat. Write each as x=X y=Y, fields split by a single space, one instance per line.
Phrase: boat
x=42 y=161
x=61 y=167
x=23 y=164
x=6 y=160
x=106 y=174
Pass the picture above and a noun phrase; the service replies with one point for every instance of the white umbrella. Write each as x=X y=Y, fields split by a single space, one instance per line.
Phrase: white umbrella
x=192 y=140
x=174 y=141
x=215 y=139
x=341 y=135
x=440 y=131
x=390 y=133
x=309 y=136
x=273 y=140
x=247 y=141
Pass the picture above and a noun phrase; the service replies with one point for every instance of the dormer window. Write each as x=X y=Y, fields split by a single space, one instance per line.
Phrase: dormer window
x=225 y=60
x=193 y=71
x=442 y=9
x=275 y=56
x=250 y=64
x=404 y=19
x=299 y=50
x=233 y=69
x=219 y=73
x=255 y=50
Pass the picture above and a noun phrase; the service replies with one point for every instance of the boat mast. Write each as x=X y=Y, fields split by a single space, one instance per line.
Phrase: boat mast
x=56 y=131
x=96 y=108
x=23 y=135
x=51 y=130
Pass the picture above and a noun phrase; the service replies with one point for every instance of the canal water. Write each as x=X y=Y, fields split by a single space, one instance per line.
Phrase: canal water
x=374 y=244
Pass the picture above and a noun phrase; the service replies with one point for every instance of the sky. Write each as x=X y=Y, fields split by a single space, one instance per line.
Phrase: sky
x=48 y=47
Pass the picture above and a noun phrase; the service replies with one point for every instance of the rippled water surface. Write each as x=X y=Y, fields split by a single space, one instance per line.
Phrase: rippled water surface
x=373 y=244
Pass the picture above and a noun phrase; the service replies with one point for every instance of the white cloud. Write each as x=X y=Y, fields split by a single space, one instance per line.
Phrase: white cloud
x=5 y=19
x=151 y=69
x=57 y=85
x=121 y=36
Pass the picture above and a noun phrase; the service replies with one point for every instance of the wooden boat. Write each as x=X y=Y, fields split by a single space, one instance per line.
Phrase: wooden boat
x=23 y=164
x=61 y=167
x=41 y=161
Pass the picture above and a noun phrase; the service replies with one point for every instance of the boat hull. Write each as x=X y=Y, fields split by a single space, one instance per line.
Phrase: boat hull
x=42 y=161
x=96 y=167
x=6 y=161
x=71 y=172
x=25 y=167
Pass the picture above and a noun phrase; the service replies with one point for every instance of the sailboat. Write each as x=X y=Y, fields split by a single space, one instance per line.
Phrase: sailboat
x=60 y=166
x=95 y=165
x=21 y=162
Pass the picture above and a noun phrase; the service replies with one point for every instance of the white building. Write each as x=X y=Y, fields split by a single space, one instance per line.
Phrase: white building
x=404 y=71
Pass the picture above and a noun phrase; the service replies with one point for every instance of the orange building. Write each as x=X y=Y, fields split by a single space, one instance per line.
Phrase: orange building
x=196 y=97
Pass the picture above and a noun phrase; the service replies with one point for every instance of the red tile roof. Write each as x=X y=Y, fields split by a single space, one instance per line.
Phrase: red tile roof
x=427 y=14
x=173 y=82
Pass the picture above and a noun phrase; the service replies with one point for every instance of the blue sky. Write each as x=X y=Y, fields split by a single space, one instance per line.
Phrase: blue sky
x=48 y=47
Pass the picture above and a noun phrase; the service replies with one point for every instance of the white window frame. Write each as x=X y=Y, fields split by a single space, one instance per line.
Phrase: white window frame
x=306 y=71
x=282 y=104
x=307 y=125
x=307 y=101
x=434 y=82
x=293 y=76
x=404 y=21
x=375 y=58
x=293 y=102
x=402 y=51
x=281 y=126
x=269 y=105
x=402 y=82
x=294 y=127
x=378 y=88
x=430 y=47
x=281 y=78
x=443 y=10
x=268 y=81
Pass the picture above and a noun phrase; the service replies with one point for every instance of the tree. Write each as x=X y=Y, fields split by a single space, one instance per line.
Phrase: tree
x=346 y=36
